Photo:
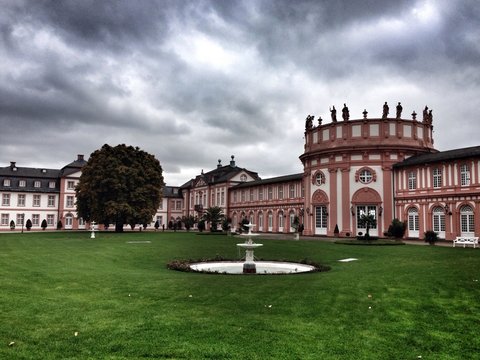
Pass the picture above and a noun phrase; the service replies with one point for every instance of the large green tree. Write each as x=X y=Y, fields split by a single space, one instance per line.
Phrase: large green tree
x=120 y=185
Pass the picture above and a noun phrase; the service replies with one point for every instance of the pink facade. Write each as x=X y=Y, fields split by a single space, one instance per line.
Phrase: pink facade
x=386 y=167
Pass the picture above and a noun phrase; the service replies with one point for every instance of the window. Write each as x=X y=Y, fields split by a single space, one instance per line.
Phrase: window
x=280 y=221
x=81 y=222
x=5 y=199
x=70 y=185
x=160 y=220
x=366 y=209
x=260 y=194
x=234 y=196
x=412 y=180
x=243 y=195
x=21 y=200
x=270 y=221
x=69 y=201
x=6 y=182
x=365 y=176
x=319 y=178
x=292 y=191
x=51 y=200
x=243 y=178
x=178 y=205
x=413 y=219
x=251 y=196
x=280 y=192
x=439 y=219
x=5 y=220
x=22 y=183
x=36 y=220
x=270 y=193
x=465 y=175
x=437 y=178
x=36 y=200
x=50 y=220
x=51 y=184
x=20 y=219
x=466 y=220
x=260 y=221
x=37 y=184
x=222 y=201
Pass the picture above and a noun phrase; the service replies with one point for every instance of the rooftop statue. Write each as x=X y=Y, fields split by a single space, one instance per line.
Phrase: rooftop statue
x=333 y=113
x=399 y=110
x=309 y=122
x=319 y=120
x=425 y=114
x=385 y=110
x=345 y=113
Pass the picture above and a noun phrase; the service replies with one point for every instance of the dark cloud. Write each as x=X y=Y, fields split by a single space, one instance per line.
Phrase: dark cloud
x=194 y=81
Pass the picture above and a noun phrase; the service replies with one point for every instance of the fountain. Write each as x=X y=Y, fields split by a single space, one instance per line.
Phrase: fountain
x=250 y=266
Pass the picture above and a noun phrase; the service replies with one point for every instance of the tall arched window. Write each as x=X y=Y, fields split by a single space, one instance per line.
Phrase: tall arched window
x=413 y=222
x=280 y=221
x=260 y=221
x=467 y=221
x=270 y=221
x=439 y=221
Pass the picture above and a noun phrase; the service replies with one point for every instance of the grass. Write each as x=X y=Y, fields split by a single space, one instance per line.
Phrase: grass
x=395 y=302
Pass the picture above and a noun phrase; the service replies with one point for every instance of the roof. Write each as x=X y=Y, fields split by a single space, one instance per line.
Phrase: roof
x=172 y=192
x=278 y=179
x=73 y=167
x=29 y=177
x=448 y=155
x=220 y=175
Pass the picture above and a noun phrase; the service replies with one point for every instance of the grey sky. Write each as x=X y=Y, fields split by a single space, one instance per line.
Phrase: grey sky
x=196 y=81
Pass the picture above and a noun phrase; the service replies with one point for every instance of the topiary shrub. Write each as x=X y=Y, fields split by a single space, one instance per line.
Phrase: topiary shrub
x=59 y=225
x=28 y=224
x=44 y=224
x=12 y=225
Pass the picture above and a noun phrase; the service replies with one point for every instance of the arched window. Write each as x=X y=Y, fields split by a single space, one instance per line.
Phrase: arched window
x=467 y=220
x=280 y=221
x=413 y=227
x=439 y=221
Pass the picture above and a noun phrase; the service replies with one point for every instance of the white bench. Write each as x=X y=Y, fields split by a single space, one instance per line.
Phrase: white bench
x=466 y=240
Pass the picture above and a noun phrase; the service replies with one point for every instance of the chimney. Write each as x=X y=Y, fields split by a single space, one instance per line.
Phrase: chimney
x=219 y=165
x=12 y=164
x=79 y=157
x=232 y=162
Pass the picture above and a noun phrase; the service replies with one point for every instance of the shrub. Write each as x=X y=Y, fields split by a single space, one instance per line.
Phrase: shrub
x=397 y=229
x=336 y=231
x=157 y=225
x=28 y=225
x=12 y=225
x=59 y=225
x=431 y=237
x=44 y=224
x=201 y=225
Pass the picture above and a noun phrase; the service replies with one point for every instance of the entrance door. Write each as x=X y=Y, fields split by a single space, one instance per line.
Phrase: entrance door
x=321 y=220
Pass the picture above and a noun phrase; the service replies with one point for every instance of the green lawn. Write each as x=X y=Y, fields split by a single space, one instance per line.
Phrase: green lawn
x=66 y=296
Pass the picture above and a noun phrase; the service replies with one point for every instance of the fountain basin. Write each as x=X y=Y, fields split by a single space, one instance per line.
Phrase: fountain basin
x=249 y=246
x=262 y=267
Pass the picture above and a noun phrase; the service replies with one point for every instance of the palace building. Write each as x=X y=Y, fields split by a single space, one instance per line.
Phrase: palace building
x=386 y=167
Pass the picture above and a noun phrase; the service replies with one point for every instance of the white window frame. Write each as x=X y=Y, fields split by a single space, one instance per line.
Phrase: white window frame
x=36 y=200
x=412 y=180
x=437 y=178
x=464 y=175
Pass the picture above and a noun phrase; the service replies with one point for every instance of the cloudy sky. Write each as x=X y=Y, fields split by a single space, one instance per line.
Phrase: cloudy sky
x=196 y=81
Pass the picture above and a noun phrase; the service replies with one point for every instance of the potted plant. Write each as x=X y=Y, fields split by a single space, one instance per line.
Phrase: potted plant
x=431 y=237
